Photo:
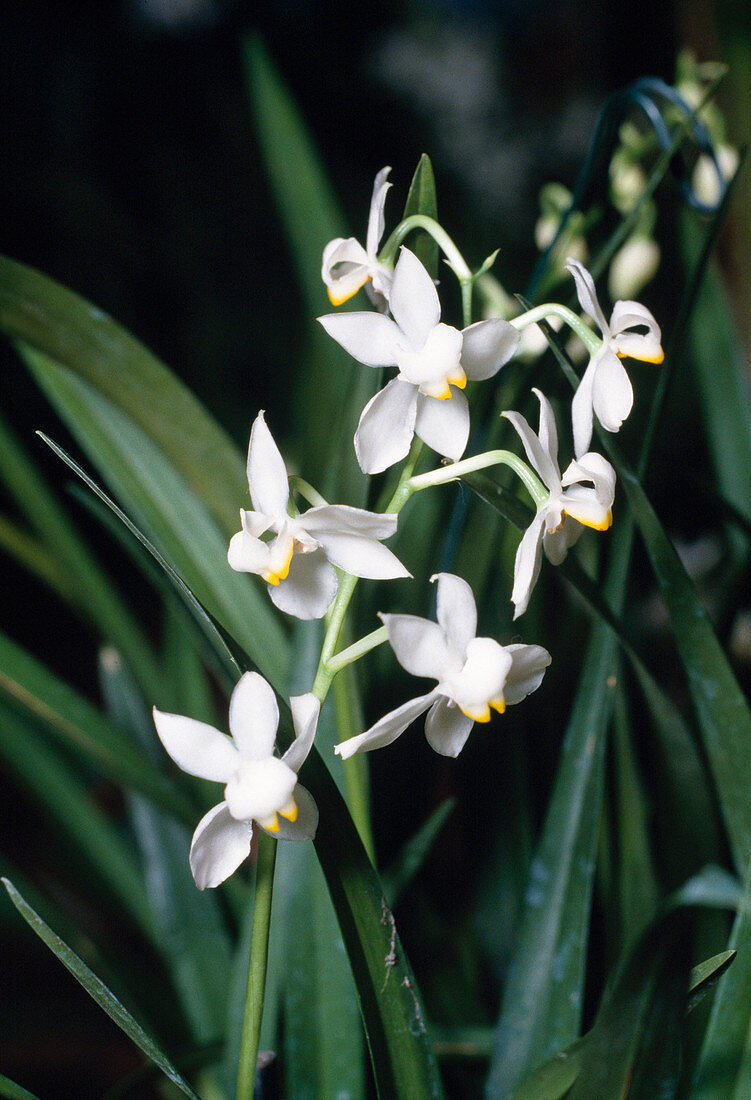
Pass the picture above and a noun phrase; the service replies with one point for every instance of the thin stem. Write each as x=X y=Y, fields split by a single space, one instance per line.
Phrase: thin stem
x=454 y=470
x=306 y=491
x=259 y=952
x=358 y=649
x=590 y=339
x=456 y=261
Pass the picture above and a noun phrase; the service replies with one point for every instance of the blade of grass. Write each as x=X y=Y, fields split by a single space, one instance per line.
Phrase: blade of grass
x=96 y=989
x=13 y=1091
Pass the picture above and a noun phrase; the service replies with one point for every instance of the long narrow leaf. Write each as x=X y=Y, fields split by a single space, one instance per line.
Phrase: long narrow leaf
x=96 y=989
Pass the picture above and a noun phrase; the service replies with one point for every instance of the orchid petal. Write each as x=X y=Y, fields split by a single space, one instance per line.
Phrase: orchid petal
x=196 y=747
x=443 y=425
x=338 y=518
x=612 y=394
x=545 y=464
x=548 y=433
x=305 y=711
x=370 y=338
x=593 y=467
x=259 y=788
x=267 y=474
x=309 y=588
x=556 y=544
x=305 y=824
x=247 y=554
x=219 y=845
x=627 y=315
x=447 y=728
x=528 y=664
x=386 y=427
x=481 y=679
x=456 y=612
x=581 y=409
x=527 y=564
x=253 y=717
x=420 y=646
x=360 y=556
x=486 y=347
x=414 y=299
x=586 y=293
x=375 y=217
x=388 y=729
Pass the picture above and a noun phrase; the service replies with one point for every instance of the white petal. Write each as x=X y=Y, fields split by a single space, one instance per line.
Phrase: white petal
x=196 y=747
x=219 y=846
x=612 y=394
x=388 y=729
x=638 y=345
x=309 y=588
x=375 y=217
x=414 y=299
x=548 y=433
x=305 y=711
x=267 y=474
x=482 y=678
x=581 y=409
x=346 y=282
x=486 y=346
x=247 y=554
x=344 y=268
x=356 y=521
x=420 y=645
x=456 y=612
x=527 y=670
x=447 y=728
x=253 y=716
x=370 y=338
x=586 y=293
x=556 y=544
x=593 y=467
x=361 y=557
x=527 y=564
x=386 y=427
x=259 y=788
x=305 y=824
x=545 y=464
x=443 y=425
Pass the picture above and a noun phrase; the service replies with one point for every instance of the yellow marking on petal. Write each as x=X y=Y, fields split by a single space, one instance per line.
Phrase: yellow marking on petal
x=657 y=359
x=290 y=810
x=444 y=395
x=602 y=525
x=270 y=824
x=273 y=578
x=477 y=715
x=459 y=380
x=337 y=299
x=499 y=704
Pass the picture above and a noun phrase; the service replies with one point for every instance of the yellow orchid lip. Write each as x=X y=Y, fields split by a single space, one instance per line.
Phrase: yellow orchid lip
x=274 y=578
x=657 y=359
x=458 y=380
x=498 y=704
x=290 y=810
x=270 y=824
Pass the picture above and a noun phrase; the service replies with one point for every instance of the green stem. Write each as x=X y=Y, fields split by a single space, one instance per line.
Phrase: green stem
x=358 y=649
x=259 y=951
x=590 y=339
x=456 y=261
x=306 y=491
x=454 y=470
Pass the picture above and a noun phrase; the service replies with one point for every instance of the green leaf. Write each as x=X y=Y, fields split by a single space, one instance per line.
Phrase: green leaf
x=90 y=591
x=47 y=317
x=161 y=502
x=74 y=722
x=414 y=852
x=188 y=928
x=96 y=989
x=59 y=790
x=542 y=1000
x=13 y=1091
x=421 y=199
x=721 y=709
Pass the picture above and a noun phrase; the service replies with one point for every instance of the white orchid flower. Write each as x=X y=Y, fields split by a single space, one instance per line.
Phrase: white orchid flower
x=298 y=564
x=605 y=387
x=258 y=785
x=434 y=361
x=475 y=675
x=347 y=266
x=569 y=508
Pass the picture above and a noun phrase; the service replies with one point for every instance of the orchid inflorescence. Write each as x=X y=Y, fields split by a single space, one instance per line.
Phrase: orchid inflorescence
x=310 y=560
